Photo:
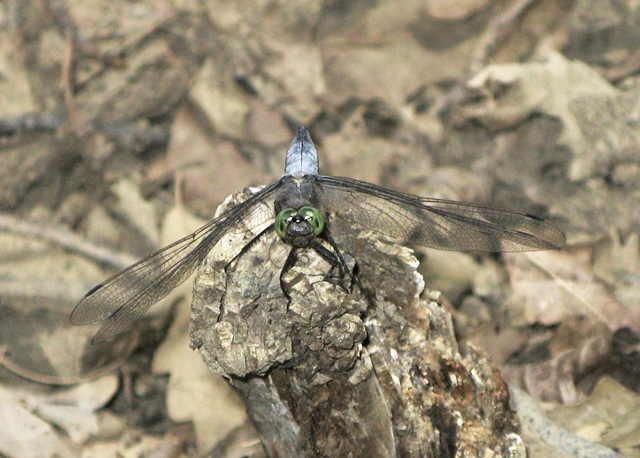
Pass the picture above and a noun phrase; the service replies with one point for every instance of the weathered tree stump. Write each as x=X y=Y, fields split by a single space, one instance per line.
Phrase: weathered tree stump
x=342 y=372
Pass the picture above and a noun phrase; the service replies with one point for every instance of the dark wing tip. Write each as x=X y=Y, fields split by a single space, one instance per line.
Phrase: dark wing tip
x=75 y=317
x=549 y=233
x=93 y=290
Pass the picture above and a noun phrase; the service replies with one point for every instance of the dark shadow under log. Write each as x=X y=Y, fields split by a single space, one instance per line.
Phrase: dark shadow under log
x=347 y=374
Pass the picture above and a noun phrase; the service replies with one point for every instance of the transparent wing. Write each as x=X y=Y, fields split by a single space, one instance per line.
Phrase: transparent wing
x=435 y=223
x=123 y=298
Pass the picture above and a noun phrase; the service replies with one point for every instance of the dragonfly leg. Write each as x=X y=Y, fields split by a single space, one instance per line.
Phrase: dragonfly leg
x=332 y=259
x=246 y=248
x=337 y=262
x=288 y=264
x=341 y=263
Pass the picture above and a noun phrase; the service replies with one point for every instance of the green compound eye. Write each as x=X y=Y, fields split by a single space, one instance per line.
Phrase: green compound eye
x=314 y=217
x=310 y=214
x=283 y=219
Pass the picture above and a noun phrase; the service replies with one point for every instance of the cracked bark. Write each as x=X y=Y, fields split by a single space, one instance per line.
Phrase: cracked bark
x=339 y=373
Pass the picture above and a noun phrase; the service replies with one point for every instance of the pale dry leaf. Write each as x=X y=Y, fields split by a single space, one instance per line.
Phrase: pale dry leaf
x=458 y=183
x=450 y=272
x=194 y=393
x=212 y=168
x=536 y=298
x=100 y=226
x=390 y=72
x=178 y=221
x=299 y=70
x=265 y=126
x=129 y=24
x=458 y=10
x=142 y=445
x=345 y=152
x=575 y=331
x=596 y=117
x=25 y=258
x=512 y=92
x=138 y=211
x=41 y=285
x=556 y=379
x=609 y=416
x=549 y=285
x=612 y=256
x=500 y=344
x=218 y=96
x=382 y=22
x=16 y=97
x=75 y=409
x=227 y=15
x=23 y=434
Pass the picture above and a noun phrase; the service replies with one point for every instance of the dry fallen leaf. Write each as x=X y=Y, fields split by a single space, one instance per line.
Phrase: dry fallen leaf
x=24 y=434
x=346 y=151
x=36 y=423
x=216 y=93
x=556 y=379
x=76 y=409
x=608 y=416
x=593 y=112
x=299 y=70
x=41 y=283
x=212 y=168
x=617 y=262
x=194 y=393
x=550 y=285
x=138 y=211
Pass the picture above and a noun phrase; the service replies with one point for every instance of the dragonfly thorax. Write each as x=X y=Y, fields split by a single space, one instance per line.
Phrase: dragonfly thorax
x=299 y=227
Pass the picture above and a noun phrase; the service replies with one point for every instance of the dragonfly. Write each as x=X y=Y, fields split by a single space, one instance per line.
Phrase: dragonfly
x=300 y=207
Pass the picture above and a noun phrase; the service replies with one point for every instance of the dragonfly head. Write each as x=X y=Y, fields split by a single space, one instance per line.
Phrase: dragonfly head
x=299 y=227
